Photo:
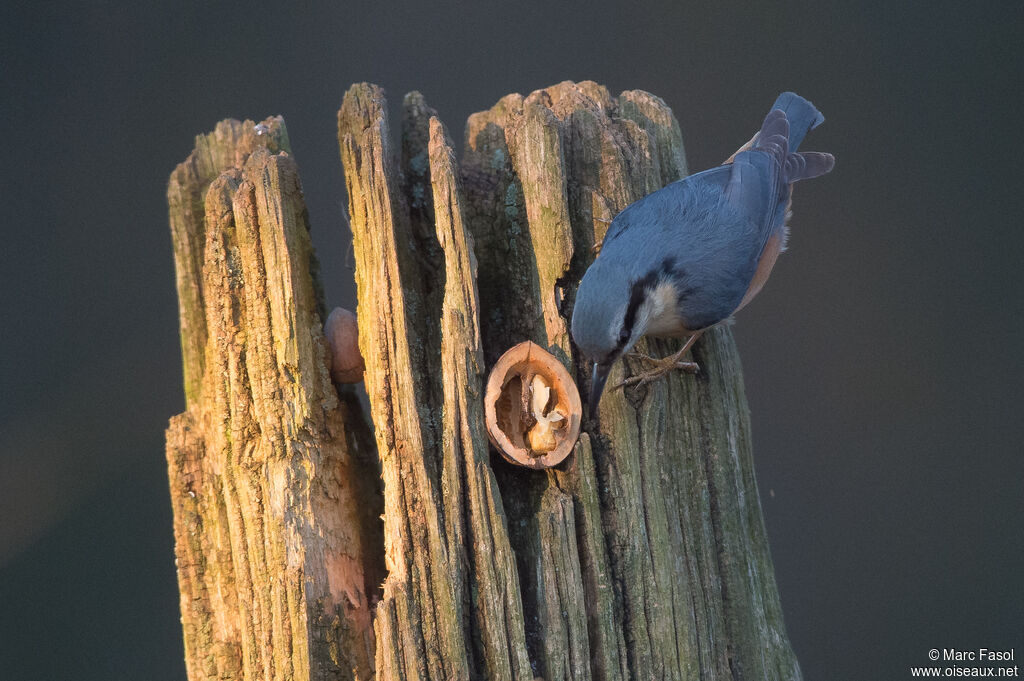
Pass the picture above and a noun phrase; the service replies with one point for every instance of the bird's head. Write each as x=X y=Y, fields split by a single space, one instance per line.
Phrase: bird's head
x=610 y=315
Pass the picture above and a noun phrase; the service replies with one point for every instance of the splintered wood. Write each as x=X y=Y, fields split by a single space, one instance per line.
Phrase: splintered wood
x=273 y=481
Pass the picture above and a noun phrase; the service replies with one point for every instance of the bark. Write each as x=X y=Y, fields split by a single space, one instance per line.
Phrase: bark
x=642 y=556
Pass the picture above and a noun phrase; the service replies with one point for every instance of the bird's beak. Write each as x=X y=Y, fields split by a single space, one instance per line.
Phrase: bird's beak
x=597 y=381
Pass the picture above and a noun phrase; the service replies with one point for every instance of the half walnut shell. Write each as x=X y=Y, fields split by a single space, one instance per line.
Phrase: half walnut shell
x=532 y=407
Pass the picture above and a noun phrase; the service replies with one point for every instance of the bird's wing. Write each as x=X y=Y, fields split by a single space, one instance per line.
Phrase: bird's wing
x=691 y=233
x=722 y=246
x=670 y=202
x=719 y=222
x=761 y=177
x=757 y=191
x=708 y=232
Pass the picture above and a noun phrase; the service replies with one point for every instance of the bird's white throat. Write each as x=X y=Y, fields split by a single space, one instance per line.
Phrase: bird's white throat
x=659 y=313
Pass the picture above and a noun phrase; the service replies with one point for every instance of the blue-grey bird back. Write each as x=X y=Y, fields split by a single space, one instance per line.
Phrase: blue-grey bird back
x=705 y=233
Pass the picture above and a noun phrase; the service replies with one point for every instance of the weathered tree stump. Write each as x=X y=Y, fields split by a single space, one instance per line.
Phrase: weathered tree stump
x=642 y=556
x=272 y=471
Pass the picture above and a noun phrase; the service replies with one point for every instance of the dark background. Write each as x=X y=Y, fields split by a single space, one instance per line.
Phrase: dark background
x=883 y=360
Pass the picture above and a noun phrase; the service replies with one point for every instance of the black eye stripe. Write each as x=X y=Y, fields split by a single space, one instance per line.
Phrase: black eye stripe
x=638 y=292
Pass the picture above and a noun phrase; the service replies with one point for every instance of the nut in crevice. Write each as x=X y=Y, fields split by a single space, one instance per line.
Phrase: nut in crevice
x=341 y=331
x=532 y=407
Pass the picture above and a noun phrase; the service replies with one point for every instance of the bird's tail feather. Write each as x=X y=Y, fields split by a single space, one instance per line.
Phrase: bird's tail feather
x=805 y=165
x=782 y=131
x=801 y=114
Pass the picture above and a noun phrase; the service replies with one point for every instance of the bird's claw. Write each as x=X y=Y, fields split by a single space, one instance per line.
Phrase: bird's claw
x=661 y=368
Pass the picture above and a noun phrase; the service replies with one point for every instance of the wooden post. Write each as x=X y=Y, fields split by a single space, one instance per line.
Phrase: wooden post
x=642 y=556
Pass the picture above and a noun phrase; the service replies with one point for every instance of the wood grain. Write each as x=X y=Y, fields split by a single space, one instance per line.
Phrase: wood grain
x=272 y=472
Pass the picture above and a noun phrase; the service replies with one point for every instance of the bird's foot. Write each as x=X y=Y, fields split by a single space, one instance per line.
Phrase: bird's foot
x=661 y=367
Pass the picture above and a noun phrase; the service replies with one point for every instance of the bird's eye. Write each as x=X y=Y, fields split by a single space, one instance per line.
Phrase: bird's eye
x=623 y=337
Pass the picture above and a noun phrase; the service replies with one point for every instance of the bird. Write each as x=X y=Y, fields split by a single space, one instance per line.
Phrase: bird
x=687 y=257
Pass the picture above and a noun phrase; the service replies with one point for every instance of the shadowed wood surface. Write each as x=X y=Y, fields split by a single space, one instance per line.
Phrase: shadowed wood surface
x=641 y=556
x=450 y=608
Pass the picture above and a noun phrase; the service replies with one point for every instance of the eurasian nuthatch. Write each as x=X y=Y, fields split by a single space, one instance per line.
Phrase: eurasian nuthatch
x=688 y=256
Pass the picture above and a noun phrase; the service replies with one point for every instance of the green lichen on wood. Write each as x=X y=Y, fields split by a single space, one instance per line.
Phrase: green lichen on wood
x=608 y=655
x=655 y=119
x=496 y=216
x=392 y=306
x=535 y=146
x=474 y=511
x=451 y=607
